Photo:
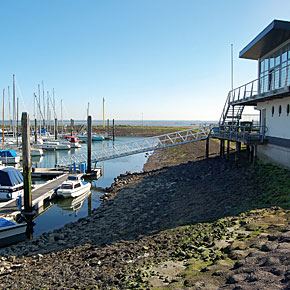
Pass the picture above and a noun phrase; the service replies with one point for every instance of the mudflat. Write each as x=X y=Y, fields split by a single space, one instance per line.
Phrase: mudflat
x=186 y=222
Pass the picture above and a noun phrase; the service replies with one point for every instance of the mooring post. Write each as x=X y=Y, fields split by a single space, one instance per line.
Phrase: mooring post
x=207 y=148
x=89 y=144
x=113 y=129
x=71 y=127
x=35 y=130
x=25 y=124
x=55 y=128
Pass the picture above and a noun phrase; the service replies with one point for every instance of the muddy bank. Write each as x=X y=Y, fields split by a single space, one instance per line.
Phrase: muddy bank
x=192 y=225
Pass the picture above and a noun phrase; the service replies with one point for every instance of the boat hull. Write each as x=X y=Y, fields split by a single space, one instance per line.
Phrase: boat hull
x=12 y=234
x=66 y=193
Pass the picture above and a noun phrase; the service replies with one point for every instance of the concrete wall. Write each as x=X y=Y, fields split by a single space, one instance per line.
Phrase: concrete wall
x=273 y=154
x=278 y=126
x=277 y=151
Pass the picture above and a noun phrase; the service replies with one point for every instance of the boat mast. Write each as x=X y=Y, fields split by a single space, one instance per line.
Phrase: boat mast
x=3 y=121
x=14 y=107
x=17 y=121
x=103 y=113
x=39 y=110
x=61 y=116
x=43 y=98
x=10 y=120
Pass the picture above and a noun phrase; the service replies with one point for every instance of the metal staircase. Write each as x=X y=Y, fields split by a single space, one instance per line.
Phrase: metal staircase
x=231 y=113
x=140 y=146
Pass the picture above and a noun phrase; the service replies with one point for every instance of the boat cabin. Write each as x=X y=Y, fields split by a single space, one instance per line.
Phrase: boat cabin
x=11 y=183
x=71 y=139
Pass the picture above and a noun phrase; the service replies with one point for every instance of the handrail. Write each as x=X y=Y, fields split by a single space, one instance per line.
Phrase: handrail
x=139 y=146
x=264 y=84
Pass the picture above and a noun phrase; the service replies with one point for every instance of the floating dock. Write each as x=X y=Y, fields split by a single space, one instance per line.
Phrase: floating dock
x=43 y=192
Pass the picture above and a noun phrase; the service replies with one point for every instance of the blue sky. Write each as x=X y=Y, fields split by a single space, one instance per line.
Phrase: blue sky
x=167 y=59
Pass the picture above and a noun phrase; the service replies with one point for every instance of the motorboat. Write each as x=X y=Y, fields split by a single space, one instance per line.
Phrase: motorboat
x=53 y=145
x=74 y=143
x=11 y=183
x=84 y=138
x=36 y=152
x=11 y=232
x=74 y=186
x=9 y=156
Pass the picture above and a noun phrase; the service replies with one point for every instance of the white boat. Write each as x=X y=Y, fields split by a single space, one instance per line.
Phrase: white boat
x=11 y=232
x=9 y=156
x=36 y=152
x=11 y=183
x=53 y=145
x=74 y=143
x=74 y=186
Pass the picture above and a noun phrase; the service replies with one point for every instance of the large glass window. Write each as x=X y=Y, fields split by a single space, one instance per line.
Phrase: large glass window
x=275 y=70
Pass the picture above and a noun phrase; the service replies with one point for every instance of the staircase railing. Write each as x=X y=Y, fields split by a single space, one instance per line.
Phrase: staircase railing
x=278 y=78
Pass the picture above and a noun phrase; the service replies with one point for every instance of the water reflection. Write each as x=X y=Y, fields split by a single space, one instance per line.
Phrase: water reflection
x=73 y=205
x=58 y=212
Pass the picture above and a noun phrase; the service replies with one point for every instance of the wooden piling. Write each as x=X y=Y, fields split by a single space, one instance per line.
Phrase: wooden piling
x=89 y=168
x=228 y=147
x=252 y=153
x=113 y=129
x=25 y=124
x=55 y=128
x=207 y=148
x=71 y=127
x=35 y=130
x=222 y=147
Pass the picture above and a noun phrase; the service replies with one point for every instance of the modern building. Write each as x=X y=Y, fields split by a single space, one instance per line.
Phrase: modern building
x=269 y=94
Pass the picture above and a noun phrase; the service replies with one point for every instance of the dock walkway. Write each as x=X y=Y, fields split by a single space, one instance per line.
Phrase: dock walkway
x=39 y=194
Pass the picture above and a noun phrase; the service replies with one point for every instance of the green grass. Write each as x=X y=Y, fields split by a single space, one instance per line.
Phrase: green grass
x=273 y=185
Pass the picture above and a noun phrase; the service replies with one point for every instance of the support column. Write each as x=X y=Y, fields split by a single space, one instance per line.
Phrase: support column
x=25 y=124
x=228 y=147
x=252 y=154
x=238 y=146
x=55 y=129
x=89 y=168
x=207 y=148
x=222 y=147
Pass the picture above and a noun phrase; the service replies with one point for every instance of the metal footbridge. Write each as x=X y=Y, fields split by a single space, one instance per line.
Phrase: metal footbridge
x=139 y=146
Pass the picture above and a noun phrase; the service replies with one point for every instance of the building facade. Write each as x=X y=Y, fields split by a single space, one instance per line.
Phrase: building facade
x=269 y=94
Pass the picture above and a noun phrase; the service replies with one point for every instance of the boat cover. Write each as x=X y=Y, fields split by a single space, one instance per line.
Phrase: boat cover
x=10 y=176
x=5 y=223
x=8 y=153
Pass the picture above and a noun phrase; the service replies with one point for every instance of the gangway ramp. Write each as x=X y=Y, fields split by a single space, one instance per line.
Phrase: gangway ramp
x=139 y=146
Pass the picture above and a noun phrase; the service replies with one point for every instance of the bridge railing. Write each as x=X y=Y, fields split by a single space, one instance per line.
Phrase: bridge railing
x=139 y=146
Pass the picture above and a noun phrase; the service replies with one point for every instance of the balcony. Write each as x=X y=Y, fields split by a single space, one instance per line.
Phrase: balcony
x=275 y=84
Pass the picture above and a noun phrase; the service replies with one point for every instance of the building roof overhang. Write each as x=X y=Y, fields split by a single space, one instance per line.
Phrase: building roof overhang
x=271 y=37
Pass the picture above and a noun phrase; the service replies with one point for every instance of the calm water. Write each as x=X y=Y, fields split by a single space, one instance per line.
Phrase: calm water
x=60 y=211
